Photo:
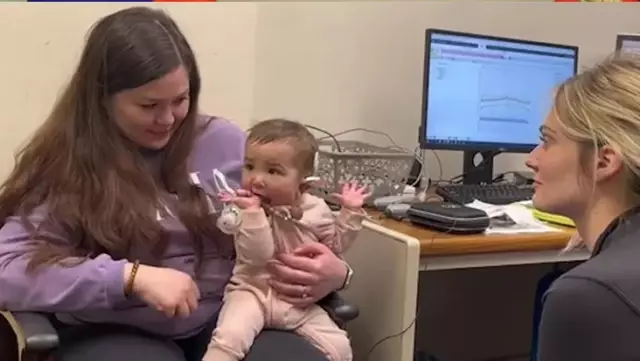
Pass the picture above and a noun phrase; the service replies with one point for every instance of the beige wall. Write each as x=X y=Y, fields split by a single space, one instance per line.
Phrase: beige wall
x=41 y=44
x=342 y=65
x=337 y=65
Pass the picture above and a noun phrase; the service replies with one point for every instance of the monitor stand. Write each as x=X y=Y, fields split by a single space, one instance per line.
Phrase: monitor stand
x=478 y=171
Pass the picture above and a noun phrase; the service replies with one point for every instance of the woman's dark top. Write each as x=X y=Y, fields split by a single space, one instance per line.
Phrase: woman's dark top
x=592 y=312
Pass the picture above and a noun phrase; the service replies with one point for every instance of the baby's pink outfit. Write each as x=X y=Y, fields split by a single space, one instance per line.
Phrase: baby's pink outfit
x=251 y=305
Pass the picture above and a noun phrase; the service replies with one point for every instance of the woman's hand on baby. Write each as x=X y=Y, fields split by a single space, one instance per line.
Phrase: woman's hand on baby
x=307 y=275
x=352 y=196
x=243 y=199
x=169 y=291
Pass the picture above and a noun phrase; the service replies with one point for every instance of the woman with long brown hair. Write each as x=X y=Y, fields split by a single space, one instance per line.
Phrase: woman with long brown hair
x=105 y=223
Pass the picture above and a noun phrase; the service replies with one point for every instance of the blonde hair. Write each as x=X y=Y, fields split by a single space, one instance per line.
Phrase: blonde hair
x=601 y=106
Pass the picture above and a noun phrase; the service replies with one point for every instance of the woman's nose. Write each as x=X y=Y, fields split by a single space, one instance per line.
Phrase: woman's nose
x=166 y=118
x=530 y=165
x=531 y=161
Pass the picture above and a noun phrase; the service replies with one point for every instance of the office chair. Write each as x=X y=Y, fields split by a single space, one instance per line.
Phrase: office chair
x=34 y=332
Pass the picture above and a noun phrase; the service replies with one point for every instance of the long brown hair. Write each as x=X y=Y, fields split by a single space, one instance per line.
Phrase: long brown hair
x=91 y=180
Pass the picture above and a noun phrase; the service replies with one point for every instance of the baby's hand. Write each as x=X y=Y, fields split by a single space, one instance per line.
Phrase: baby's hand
x=352 y=196
x=243 y=199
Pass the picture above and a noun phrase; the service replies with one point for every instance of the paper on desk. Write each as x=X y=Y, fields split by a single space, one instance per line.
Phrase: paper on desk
x=511 y=219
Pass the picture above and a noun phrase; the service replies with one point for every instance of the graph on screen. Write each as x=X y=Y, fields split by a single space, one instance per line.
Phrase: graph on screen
x=488 y=92
x=504 y=95
x=504 y=109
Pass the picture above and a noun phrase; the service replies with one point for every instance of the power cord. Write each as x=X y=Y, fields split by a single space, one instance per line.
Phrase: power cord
x=387 y=338
x=329 y=135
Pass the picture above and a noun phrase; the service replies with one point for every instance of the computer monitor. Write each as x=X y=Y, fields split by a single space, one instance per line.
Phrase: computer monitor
x=628 y=43
x=485 y=95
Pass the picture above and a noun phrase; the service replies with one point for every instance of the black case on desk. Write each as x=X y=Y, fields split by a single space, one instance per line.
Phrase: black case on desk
x=449 y=217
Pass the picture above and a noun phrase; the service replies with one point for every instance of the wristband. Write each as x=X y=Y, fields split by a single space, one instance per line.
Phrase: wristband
x=128 y=288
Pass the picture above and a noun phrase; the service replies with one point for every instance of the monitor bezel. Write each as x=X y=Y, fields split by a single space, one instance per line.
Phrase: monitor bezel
x=621 y=37
x=474 y=146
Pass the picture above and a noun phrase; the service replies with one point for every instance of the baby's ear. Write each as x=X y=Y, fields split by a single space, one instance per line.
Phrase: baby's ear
x=304 y=187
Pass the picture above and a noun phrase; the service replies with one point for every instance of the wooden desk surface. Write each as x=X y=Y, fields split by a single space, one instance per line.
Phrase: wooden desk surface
x=441 y=244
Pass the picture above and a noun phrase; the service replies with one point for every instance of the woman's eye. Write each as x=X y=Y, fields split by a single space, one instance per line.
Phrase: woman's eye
x=179 y=101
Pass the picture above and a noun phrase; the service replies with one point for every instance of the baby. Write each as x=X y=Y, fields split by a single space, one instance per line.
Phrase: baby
x=277 y=215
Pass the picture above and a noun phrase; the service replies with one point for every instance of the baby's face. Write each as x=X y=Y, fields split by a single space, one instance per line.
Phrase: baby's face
x=271 y=172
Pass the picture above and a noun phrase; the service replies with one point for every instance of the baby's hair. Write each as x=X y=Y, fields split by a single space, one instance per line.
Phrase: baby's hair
x=295 y=133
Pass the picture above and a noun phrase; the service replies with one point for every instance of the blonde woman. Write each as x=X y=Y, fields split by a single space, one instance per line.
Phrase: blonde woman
x=588 y=168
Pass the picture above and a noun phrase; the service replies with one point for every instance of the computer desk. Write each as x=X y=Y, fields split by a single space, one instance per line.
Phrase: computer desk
x=388 y=256
x=441 y=251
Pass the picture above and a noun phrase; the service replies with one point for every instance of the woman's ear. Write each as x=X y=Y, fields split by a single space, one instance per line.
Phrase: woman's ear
x=608 y=163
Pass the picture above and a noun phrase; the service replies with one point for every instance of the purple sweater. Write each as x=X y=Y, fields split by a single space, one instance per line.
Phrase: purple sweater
x=94 y=290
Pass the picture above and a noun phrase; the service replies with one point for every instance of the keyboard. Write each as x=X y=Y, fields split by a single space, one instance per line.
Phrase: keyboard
x=501 y=193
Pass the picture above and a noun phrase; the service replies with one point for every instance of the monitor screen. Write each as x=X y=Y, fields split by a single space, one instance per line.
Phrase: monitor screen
x=628 y=43
x=489 y=93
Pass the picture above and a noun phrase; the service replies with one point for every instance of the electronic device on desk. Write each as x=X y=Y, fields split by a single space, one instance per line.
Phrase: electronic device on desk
x=628 y=43
x=515 y=177
x=497 y=193
x=448 y=217
x=485 y=95
x=381 y=203
x=397 y=211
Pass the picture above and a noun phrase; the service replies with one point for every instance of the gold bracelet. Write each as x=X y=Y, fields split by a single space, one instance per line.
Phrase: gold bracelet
x=128 y=290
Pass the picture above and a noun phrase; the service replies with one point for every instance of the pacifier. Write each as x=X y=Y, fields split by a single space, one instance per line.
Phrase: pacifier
x=230 y=216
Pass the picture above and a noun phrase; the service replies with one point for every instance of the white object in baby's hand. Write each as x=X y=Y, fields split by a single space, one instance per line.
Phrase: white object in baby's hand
x=230 y=216
x=229 y=219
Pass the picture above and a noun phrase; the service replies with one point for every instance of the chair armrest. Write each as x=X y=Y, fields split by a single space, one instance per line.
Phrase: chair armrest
x=36 y=331
x=339 y=310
